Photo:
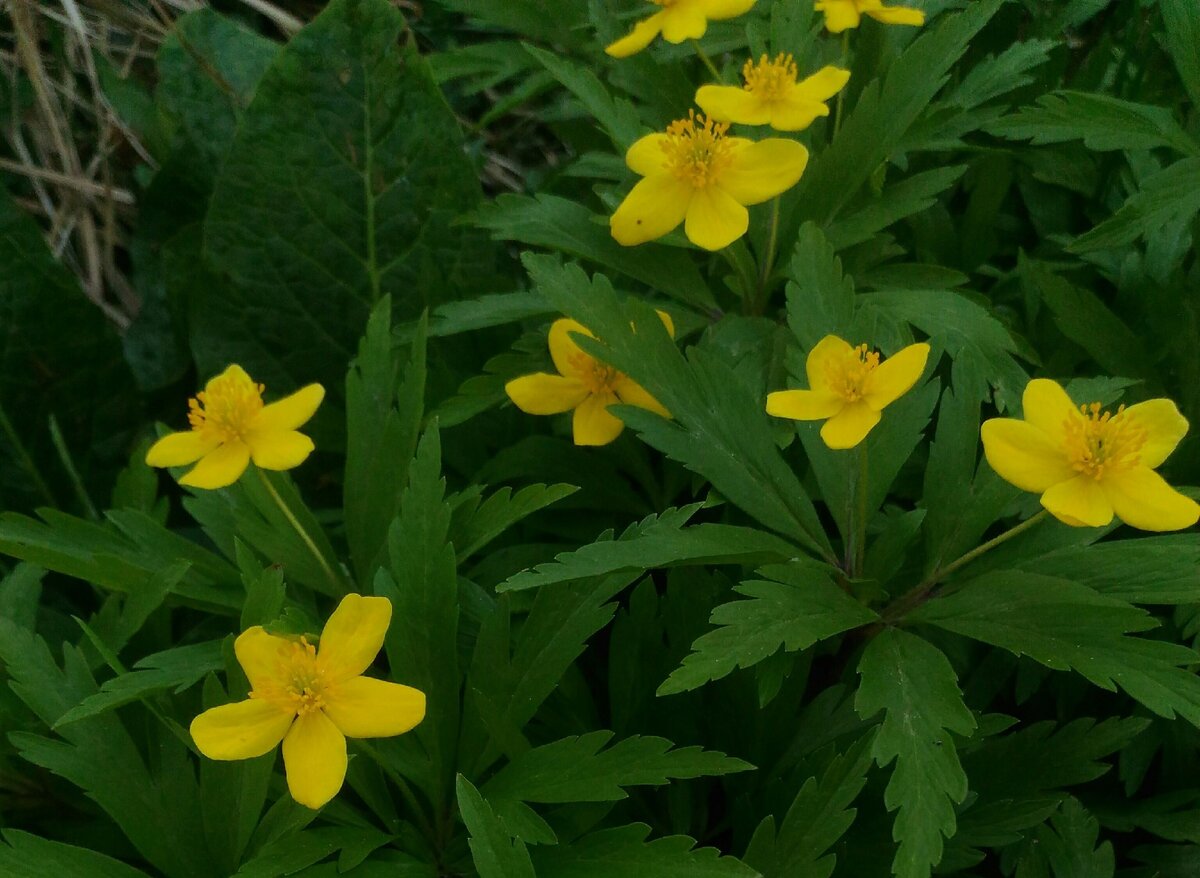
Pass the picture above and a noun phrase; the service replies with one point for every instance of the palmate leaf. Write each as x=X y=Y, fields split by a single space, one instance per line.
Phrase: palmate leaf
x=577 y=769
x=27 y=856
x=913 y=683
x=1067 y=626
x=820 y=814
x=657 y=541
x=339 y=188
x=624 y=852
x=793 y=606
x=495 y=852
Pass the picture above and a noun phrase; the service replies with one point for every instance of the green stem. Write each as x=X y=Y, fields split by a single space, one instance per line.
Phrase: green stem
x=841 y=99
x=918 y=595
x=26 y=461
x=860 y=517
x=768 y=263
x=64 y=454
x=338 y=585
x=703 y=56
x=406 y=791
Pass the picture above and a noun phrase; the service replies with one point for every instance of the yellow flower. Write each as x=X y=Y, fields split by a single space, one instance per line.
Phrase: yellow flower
x=230 y=425
x=841 y=15
x=1089 y=464
x=679 y=20
x=772 y=96
x=850 y=387
x=695 y=173
x=312 y=699
x=584 y=384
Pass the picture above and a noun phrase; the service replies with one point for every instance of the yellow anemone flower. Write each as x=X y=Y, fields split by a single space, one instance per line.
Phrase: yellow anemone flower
x=584 y=384
x=696 y=175
x=1090 y=464
x=312 y=698
x=678 y=20
x=842 y=15
x=230 y=425
x=772 y=96
x=849 y=387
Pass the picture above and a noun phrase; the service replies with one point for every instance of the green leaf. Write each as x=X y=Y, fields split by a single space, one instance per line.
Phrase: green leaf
x=793 y=607
x=1002 y=73
x=617 y=116
x=1150 y=570
x=1170 y=196
x=623 y=852
x=820 y=297
x=897 y=201
x=819 y=815
x=422 y=583
x=384 y=410
x=499 y=309
x=495 y=852
x=576 y=769
x=657 y=541
x=1066 y=626
x=1069 y=844
x=914 y=684
x=500 y=511
x=297 y=851
x=1101 y=122
x=340 y=187
x=1182 y=35
x=27 y=856
x=174 y=669
x=558 y=224
x=265 y=590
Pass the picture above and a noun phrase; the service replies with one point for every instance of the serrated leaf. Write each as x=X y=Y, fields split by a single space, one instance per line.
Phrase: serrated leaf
x=914 y=684
x=616 y=115
x=27 y=856
x=794 y=607
x=299 y=850
x=1069 y=844
x=500 y=511
x=657 y=541
x=897 y=201
x=624 y=852
x=496 y=854
x=1002 y=73
x=819 y=815
x=820 y=297
x=1064 y=626
x=339 y=188
x=1100 y=121
x=582 y=769
x=1182 y=35
x=1170 y=196
x=1149 y=570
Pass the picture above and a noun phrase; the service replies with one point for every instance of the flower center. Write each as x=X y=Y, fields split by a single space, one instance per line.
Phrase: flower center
x=1101 y=442
x=697 y=150
x=597 y=377
x=299 y=684
x=226 y=406
x=846 y=376
x=768 y=79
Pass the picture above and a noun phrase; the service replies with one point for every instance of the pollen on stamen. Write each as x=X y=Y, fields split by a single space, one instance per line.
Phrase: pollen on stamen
x=769 y=77
x=1103 y=442
x=697 y=150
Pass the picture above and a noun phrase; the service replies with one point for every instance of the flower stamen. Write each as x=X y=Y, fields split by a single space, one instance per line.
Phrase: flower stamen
x=1103 y=442
x=847 y=377
x=226 y=406
x=302 y=687
x=769 y=78
x=697 y=149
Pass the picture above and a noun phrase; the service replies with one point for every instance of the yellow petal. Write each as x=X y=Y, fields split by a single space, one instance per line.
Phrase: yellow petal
x=1142 y=498
x=630 y=392
x=363 y=707
x=291 y=412
x=895 y=376
x=354 y=635
x=804 y=405
x=1024 y=455
x=568 y=357
x=719 y=9
x=796 y=115
x=827 y=355
x=850 y=426
x=666 y=321
x=314 y=756
x=653 y=208
x=640 y=37
x=822 y=85
x=594 y=424
x=647 y=155
x=241 y=730
x=180 y=449
x=728 y=103
x=897 y=15
x=683 y=21
x=1164 y=427
x=233 y=371
x=545 y=394
x=261 y=655
x=715 y=219
x=840 y=15
x=1079 y=502
x=219 y=468
x=279 y=451
x=759 y=171
x=1046 y=405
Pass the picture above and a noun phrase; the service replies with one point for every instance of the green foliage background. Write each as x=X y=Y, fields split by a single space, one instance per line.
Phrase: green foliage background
x=647 y=659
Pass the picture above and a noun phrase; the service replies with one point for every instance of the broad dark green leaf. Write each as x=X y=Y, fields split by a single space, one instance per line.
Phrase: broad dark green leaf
x=495 y=852
x=27 y=856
